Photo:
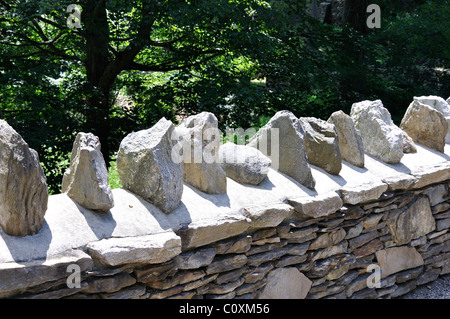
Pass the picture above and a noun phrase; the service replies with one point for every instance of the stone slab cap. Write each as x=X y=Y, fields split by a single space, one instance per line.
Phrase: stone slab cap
x=86 y=179
x=205 y=231
x=17 y=277
x=23 y=185
x=268 y=216
x=317 y=206
x=364 y=192
x=396 y=259
x=150 y=249
x=431 y=174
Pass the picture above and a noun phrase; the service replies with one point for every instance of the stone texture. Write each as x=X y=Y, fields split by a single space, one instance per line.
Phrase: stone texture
x=226 y=263
x=431 y=174
x=263 y=216
x=411 y=222
x=362 y=192
x=151 y=249
x=440 y=105
x=23 y=185
x=200 y=138
x=86 y=179
x=195 y=259
x=317 y=206
x=286 y=283
x=396 y=259
x=382 y=139
x=287 y=151
x=146 y=168
x=244 y=164
x=321 y=144
x=425 y=125
x=350 y=141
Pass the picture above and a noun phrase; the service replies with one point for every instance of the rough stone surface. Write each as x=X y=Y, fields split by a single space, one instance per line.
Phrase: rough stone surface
x=244 y=164
x=146 y=167
x=199 y=136
x=321 y=144
x=396 y=259
x=363 y=192
x=262 y=217
x=317 y=206
x=286 y=283
x=439 y=104
x=425 y=125
x=153 y=249
x=382 y=139
x=287 y=150
x=23 y=185
x=86 y=179
x=350 y=141
x=412 y=222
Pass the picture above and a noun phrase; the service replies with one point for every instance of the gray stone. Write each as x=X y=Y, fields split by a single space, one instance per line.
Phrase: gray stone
x=317 y=206
x=86 y=179
x=109 y=284
x=150 y=249
x=425 y=125
x=440 y=105
x=328 y=239
x=244 y=164
x=23 y=185
x=200 y=140
x=362 y=192
x=412 y=222
x=396 y=259
x=226 y=263
x=443 y=224
x=382 y=139
x=195 y=259
x=408 y=144
x=322 y=145
x=287 y=150
x=350 y=141
x=286 y=283
x=267 y=216
x=146 y=168
x=235 y=245
x=437 y=194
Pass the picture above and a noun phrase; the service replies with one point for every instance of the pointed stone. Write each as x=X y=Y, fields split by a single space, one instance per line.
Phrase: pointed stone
x=146 y=168
x=350 y=141
x=86 y=180
x=282 y=140
x=440 y=105
x=199 y=138
x=23 y=185
x=381 y=137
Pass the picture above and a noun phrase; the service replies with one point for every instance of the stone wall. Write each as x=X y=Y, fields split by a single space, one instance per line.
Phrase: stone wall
x=376 y=230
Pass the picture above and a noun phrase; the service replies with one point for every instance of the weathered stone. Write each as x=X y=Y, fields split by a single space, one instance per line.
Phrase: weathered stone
x=340 y=248
x=257 y=274
x=404 y=288
x=109 y=284
x=237 y=245
x=355 y=231
x=325 y=266
x=437 y=194
x=226 y=263
x=321 y=144
x=16 y=278
x=328 y=239
x=425 y=125
x=285 y=283
x=368 y=248
x=289 y=260
x=209 y=230
x=299 y=233
x=440 y=105
x=200 y=140
x=267 y=216
x=356 y=285
x=443 y=224
x=382 y=139
x=258 y=259
x=408 y=144
x=23 y=185
x=396 y=259
x=155 y=272
x=244 y=164
x=431 y=174
x=224 y=288
x=146 y=168
x=195 y=259
x=363 y=192
x=283 y=135
x=399 y=181
x=350 y=141
x=133 y=292
x=180 y=278
x=202 y=282
x=151 y=249
x=407 y=275
x=263 y=233
x=250 y=288
x=428 y=276
x=232 y=275
x=86 y=179
x=317 y=206
x=412 y=222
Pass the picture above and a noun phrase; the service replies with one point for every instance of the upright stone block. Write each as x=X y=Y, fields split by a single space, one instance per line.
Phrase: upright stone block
x=440 y=105
x=381 y=137
x=86 y=180
x=146 y=168
x=287 y=153
x=23 y=185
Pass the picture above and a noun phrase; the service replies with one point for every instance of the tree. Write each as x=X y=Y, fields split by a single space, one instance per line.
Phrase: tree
x=119 y=36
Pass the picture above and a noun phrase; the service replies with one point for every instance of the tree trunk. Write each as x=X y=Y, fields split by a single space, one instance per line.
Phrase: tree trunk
x=355 y=14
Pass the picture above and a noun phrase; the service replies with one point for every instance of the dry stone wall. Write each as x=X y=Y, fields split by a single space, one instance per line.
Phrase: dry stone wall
x=376 y=230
